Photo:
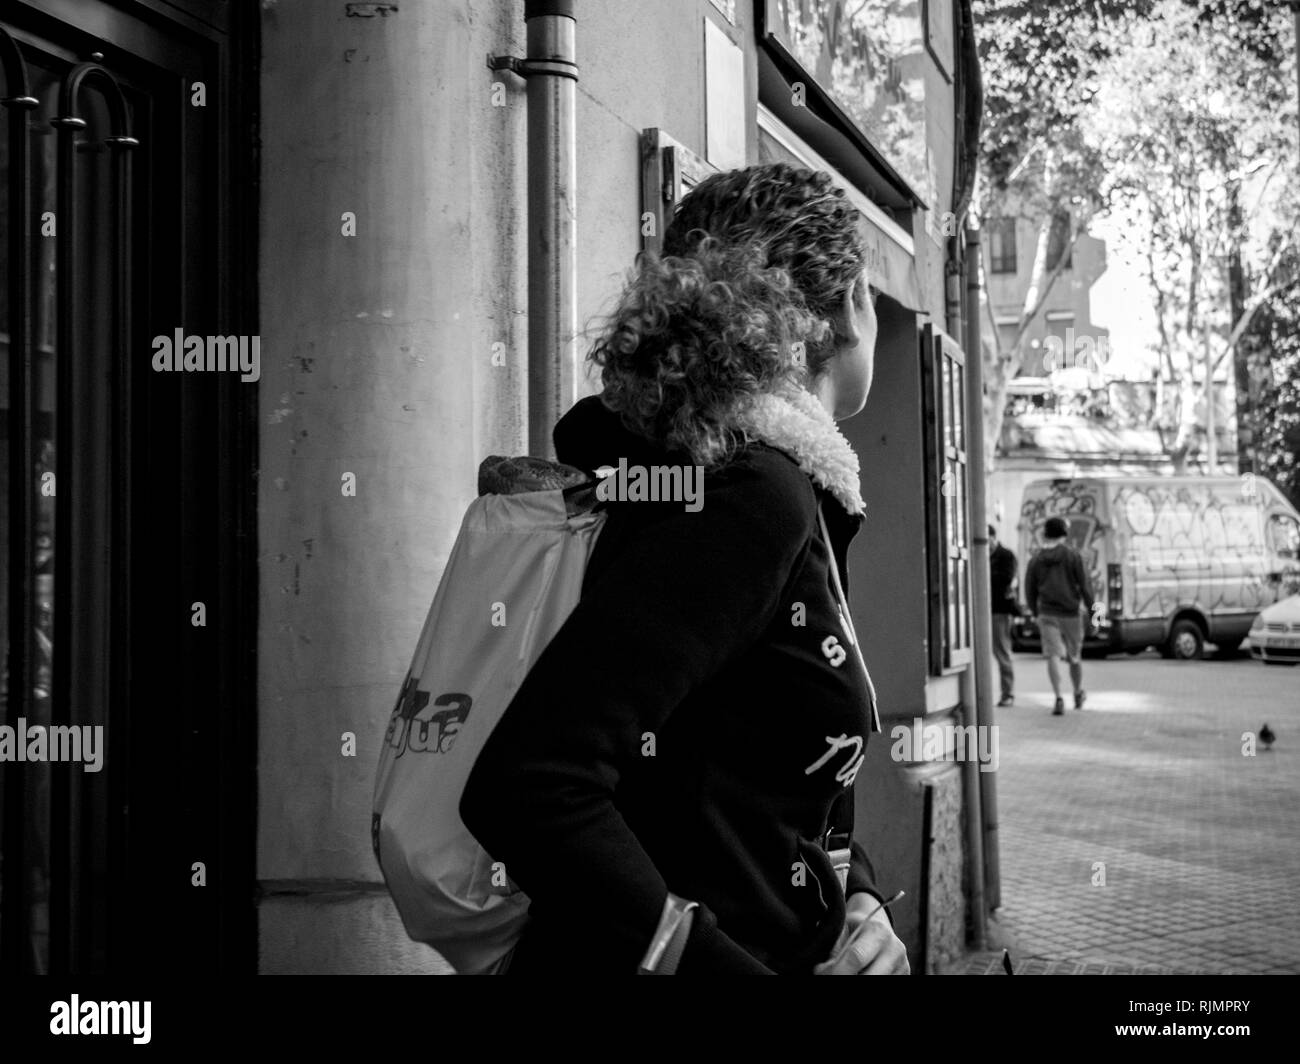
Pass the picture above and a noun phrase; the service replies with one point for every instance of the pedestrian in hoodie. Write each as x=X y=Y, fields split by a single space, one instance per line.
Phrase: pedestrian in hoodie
x=685 y=747
x=1056 y=585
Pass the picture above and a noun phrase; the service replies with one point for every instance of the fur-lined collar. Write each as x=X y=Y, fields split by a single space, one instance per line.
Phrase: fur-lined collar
x=795 y=421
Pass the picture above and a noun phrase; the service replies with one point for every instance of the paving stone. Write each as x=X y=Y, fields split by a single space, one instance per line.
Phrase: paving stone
x=1201 y=845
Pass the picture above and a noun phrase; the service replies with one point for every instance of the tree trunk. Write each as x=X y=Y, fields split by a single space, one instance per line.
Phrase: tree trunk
x=1182 y=445
x=1241 y=353
x=1008 y=363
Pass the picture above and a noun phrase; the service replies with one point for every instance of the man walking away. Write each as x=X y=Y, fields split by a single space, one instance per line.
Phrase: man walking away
x=1055 y=585
x=1002 y=586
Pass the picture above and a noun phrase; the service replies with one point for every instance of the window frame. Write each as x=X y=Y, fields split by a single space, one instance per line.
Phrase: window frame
x=1002 y=235
x=669 y=170
x=1061 y=227
x=887 y=185
x=1272 y=538
x=947 y=445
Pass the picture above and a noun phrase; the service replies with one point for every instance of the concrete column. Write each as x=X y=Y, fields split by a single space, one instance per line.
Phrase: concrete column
x=378 y=361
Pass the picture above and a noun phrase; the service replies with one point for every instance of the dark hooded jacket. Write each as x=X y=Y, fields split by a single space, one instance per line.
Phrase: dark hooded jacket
x=1056 y=582
x=1002 y=577
x=695 y=726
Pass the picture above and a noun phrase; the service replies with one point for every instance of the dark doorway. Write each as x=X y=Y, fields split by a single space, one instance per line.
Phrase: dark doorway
x=128 y=200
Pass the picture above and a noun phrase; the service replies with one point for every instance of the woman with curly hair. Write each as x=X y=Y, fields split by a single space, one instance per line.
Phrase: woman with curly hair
x=666 y=782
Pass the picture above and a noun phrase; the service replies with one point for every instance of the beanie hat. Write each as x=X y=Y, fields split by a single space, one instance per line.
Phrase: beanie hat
x=1054 y=529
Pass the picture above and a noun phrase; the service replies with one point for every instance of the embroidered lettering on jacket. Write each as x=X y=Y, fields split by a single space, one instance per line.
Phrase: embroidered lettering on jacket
x=849 y=770
x=833 y=652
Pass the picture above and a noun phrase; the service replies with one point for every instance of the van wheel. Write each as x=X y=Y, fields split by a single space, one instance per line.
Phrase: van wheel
x=1185 y=643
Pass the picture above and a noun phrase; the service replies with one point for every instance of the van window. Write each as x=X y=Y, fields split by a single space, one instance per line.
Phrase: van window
x=1240 y=529
x=1284 y=536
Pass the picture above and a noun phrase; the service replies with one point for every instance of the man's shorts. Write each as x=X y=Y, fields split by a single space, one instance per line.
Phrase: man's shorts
x=1062 y=636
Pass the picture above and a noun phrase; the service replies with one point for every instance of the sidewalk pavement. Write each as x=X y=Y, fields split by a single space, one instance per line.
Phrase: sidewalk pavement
x=1135 y=836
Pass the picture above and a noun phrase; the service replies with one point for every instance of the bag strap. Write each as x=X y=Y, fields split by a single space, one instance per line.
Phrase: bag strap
x=846 y=618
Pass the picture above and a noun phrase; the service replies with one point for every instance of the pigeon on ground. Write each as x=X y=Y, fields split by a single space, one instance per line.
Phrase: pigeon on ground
x=1266 y=737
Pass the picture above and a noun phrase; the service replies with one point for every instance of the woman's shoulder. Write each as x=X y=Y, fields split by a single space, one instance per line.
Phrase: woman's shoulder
x=770 y=482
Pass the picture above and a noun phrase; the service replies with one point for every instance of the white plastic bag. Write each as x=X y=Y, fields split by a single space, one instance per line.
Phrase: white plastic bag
x=514 y=576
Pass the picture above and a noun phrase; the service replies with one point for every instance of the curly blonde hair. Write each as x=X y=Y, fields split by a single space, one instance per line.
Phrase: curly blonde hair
x=755 y=265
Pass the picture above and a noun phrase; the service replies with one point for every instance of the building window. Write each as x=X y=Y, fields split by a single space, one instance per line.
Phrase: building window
x=1002 y=245
x=1059 y=245
x=944 y=378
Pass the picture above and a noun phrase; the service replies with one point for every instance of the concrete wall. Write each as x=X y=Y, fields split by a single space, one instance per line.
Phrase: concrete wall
x=377 y=362
x=642 y=65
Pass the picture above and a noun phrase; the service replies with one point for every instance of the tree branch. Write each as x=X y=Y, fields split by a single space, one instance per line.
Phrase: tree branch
x=1251 y=308
x=1047 y=283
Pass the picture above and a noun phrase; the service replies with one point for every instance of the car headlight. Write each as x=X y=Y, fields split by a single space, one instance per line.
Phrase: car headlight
x=1257 y=625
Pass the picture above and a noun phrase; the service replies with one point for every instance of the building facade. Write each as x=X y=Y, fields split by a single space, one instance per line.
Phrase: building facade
x=1062 y=335
x=358 y=202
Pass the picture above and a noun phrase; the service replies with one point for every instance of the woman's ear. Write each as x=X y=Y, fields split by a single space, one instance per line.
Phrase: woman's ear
x=846 y=320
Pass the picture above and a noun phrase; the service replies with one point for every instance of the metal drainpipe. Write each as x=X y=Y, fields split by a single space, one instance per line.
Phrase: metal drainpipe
x=982 y=597
x=970 y=676
x=552 y=73
x=963 y=323
x=552 y=217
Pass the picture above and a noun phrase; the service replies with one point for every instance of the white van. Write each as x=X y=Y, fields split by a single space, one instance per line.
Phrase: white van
x=1177 y=561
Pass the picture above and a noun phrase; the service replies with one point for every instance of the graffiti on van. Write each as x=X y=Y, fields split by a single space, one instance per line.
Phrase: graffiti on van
x=1191 y=545
x=1069 y=497
x=1184 y=544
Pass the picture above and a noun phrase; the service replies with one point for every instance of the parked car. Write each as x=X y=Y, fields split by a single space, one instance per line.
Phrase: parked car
x=1176 y=561
x=1275 y=635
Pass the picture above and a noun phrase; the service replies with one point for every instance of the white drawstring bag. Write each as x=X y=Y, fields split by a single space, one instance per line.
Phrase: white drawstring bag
x=513 y=577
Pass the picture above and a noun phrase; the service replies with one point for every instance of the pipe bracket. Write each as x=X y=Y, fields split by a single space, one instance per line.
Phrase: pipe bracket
x=556 y=68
